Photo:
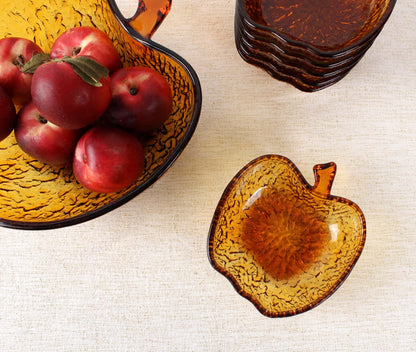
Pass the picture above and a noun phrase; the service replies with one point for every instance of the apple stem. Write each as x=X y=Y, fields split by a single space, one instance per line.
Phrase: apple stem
x=42 y=119
x=149 y=15
x=324 y=177
x=76 y=51
x=19 y=61
x=133 y=90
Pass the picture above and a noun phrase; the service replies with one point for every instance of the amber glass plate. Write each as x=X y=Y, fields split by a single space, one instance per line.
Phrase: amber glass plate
x=325 y=27
x=285 y=245
x=37 y=196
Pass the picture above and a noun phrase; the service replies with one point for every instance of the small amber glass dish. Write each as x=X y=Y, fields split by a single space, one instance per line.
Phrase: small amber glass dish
x=37 y=196
x=318 y=38
x=284 y=245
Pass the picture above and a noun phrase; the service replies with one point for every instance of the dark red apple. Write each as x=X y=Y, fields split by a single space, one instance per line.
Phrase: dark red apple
x=87 y=41
x=7 y=114
x=14 y=53
x=65 y=99
x=107 y=159
x=141 y=100
x=43 y=140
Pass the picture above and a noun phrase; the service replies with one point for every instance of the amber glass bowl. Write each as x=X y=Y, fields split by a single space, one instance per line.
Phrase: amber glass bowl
x=37 y=196
x=285 y=245
x=311 y=45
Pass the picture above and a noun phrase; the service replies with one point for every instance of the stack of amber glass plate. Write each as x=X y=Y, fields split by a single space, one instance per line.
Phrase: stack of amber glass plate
x=309 y=44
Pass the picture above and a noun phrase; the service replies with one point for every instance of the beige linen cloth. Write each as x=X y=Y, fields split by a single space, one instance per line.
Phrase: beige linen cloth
x=138 y=278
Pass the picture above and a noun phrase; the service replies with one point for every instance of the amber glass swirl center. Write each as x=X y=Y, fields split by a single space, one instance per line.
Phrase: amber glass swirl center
x=283 y=234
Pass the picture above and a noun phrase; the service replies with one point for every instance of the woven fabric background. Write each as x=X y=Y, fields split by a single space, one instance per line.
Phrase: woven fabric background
x=139 y=279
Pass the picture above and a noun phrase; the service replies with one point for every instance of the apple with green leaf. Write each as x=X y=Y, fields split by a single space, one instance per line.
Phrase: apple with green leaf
x=87 y=41
x=70 y=92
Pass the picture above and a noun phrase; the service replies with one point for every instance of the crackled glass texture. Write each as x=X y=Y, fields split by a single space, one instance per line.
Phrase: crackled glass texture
x=283 y=244
x=33 y=194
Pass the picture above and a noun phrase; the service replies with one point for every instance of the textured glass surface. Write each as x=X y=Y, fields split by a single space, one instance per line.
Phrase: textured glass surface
x=324 y=25
x=327 y=56
x=35 y=195
x=284 y=245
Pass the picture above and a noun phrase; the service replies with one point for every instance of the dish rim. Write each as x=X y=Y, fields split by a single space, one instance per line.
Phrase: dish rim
x=237 y=287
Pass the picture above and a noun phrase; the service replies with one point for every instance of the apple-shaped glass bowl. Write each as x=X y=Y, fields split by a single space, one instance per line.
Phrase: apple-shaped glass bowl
x=34 y=195
x=284 y=245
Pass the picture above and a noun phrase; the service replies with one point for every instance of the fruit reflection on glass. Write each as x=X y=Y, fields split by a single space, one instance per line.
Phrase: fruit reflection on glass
x=285 y=245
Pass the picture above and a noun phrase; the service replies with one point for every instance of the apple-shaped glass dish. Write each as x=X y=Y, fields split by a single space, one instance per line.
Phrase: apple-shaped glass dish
x=284 y=245
x=34 y=195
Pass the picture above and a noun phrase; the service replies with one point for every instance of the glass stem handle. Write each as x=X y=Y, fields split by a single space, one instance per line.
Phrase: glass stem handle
x=324 y=177
x=149 y=15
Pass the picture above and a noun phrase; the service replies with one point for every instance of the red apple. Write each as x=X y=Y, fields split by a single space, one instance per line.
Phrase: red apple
x=87 y=41
x=7 y=114
x=141 y=100
x=107 y=159
x=65 y=99
x=43 y=140
x=14 y=53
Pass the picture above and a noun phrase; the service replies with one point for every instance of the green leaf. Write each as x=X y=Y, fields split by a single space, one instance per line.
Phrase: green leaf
x=35 y=62
x=88 y=69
